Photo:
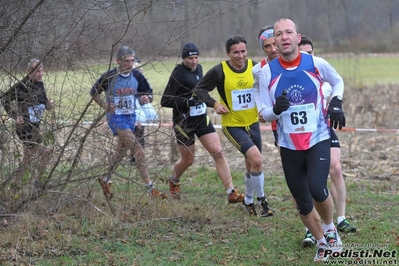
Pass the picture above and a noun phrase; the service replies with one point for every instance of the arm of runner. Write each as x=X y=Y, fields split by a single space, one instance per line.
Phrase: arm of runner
x=267 y=99
x=256 y=91
x=144 y=88
x=207 y=84
x=330 y=75
x=170 y=96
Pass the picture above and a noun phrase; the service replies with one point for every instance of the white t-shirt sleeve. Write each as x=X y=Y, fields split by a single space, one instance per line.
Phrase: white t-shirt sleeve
x=255 y=73
x=330 y=75
x=266 y=97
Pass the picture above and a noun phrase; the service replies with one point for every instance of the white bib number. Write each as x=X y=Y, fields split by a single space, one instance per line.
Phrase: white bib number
x=124 y=105
x=299 y=119
x=242 y=99
x=198 y=110
x=36 y=113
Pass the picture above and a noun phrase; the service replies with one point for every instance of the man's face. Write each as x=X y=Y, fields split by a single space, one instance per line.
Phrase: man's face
x=238 y=55
x=287 y=38
x=270 y=48
x=307 y=48
x=191 y=62
x=125 y=65
x=37 y=74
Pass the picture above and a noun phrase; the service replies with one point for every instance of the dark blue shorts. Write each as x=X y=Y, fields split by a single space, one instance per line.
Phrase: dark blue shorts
x=121 y=122
x=243 y=138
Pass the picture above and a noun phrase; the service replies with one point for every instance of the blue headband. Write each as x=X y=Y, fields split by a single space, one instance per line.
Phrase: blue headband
x=265 y=35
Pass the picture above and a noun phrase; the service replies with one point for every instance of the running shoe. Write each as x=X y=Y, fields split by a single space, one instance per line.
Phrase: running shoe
x=320 y=253
x=333 y=240
x=346 y=227
x=250 y=208
x=264 y=208
x=309 y=240
x=157 y=193
x=235 y=197
x=174 y=190
x=106 y=184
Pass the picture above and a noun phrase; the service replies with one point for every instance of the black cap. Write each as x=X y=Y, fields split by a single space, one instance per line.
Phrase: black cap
x=189 y=49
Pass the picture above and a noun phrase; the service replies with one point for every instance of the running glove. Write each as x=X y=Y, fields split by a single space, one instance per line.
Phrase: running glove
x=282 y=104
x=336 y=114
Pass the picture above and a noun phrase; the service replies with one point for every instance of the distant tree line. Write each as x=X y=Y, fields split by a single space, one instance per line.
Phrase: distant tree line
x=71 y=31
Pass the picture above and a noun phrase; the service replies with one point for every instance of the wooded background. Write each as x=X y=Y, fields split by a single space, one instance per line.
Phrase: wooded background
x=66 y=31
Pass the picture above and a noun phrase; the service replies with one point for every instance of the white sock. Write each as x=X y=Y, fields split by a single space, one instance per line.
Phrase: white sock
x=327 y=227
x=229 y=190
x=249 y=189
x=340 y=219
x=321 y=240
x=258 y=180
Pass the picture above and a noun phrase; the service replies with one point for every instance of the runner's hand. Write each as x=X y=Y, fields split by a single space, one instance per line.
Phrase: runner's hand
x=282 y=104
x=336 y=114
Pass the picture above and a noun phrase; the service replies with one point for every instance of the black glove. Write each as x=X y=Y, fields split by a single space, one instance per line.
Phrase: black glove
x=336 y=114
x=282 y=104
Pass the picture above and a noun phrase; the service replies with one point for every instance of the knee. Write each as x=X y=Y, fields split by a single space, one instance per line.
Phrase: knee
x=218 y=156
x=304 y=208
x=187 y=161
x=335 y=170
x=257 y=162
x=139 y=153
x=320 y=195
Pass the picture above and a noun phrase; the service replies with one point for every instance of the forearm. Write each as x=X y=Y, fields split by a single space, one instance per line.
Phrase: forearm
x=174 y=102
x=100 y=102
x=170 y=97
x=338 y=90
x=256 y=93
x=330 y=75
x=203 y=95
x=268 y=114
x=207 y=84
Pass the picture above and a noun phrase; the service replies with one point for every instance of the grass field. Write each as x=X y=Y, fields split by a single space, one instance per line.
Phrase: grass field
x=77 y=226
x=202 y=229
x=74 y=86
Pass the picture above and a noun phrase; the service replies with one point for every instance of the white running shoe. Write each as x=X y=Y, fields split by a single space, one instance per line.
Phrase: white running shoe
x=333 y=240
x=321 y=253
x=309 y=240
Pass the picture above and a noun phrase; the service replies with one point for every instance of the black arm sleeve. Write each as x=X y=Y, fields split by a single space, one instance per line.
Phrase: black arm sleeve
x=10 y=96
x=99 y=86
x=144 y=87
x=207 y=84
x=170 y=97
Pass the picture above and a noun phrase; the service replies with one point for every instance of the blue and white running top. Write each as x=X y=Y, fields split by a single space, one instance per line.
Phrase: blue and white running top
x=305 y=123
